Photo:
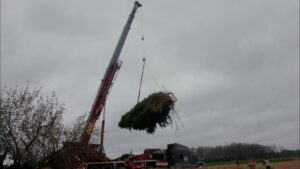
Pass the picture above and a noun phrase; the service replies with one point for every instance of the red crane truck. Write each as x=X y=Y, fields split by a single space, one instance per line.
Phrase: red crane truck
x=92 y=156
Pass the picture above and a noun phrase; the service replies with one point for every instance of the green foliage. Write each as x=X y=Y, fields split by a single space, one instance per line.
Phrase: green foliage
x=147 y=114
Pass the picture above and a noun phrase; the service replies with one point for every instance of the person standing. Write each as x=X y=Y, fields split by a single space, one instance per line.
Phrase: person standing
x=252 y=164
x=267 y=164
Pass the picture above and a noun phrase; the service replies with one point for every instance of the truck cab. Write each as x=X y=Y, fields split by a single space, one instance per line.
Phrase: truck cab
x=176 y=155
x=179 y=155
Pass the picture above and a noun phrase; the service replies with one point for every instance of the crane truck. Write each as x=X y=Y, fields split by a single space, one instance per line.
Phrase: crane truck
x=92 y=156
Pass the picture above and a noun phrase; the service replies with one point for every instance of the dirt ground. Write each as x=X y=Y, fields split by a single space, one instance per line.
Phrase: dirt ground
x=276 y=165
x=289 y=165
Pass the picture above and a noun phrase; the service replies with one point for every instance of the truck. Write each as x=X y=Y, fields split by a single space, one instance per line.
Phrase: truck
x=174 y=156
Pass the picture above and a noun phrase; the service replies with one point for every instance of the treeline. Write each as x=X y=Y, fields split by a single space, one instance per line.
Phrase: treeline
x=243 y=151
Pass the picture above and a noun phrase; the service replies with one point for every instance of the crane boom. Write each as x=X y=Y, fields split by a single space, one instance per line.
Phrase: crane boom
x=107 y=81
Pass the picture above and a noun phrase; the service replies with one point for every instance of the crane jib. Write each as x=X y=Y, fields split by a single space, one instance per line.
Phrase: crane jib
x=124 y=34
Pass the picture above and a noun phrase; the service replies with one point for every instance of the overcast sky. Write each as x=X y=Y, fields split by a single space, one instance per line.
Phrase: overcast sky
x=233 y=65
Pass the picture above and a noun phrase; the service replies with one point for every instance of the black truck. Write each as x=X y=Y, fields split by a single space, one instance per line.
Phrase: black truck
x=175 y=156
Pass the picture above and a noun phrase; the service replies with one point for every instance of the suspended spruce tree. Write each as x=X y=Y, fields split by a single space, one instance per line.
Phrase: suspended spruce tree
x=152 y=111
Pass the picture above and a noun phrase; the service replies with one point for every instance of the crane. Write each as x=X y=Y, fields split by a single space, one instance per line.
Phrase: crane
x=95 y=152
x=106 y=84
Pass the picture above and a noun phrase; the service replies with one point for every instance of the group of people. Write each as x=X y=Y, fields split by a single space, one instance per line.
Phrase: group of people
x=252 y=164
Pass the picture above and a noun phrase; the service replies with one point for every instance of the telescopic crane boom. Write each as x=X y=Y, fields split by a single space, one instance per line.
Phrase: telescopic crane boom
x=107 y=81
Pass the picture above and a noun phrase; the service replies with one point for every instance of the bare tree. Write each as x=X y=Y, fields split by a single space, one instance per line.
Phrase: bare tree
x=31 y=129
x=30 y=124
x=72 y=132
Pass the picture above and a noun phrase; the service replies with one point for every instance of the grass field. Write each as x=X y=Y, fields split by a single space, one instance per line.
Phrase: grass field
x=275 y=165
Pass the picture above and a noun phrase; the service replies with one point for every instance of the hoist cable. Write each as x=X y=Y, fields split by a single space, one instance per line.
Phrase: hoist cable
x=141 y=80
x=144 y=59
